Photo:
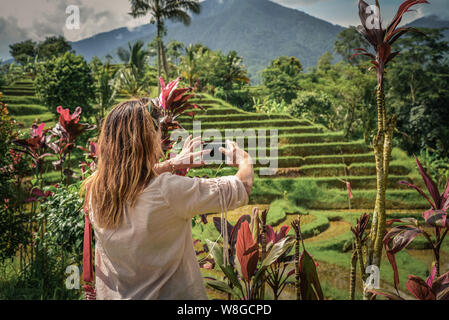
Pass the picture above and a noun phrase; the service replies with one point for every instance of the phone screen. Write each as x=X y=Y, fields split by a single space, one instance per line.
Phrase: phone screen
x=215 y=155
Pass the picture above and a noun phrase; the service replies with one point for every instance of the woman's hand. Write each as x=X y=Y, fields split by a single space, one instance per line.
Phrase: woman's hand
x=238 y=157
x=186 y=158
x=234 y=154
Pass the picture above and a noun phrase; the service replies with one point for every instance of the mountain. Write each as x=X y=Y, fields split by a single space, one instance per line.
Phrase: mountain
x=432 y=21
x=259 y=30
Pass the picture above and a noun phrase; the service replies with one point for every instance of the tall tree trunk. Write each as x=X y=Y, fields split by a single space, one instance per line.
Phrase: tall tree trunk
x=158 y=40
x=353 y=275
x=164 y=61
x=383 y=145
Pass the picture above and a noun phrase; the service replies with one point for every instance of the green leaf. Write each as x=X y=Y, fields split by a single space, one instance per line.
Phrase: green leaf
x=223 y=287
x=276 y=251
x=217 y=253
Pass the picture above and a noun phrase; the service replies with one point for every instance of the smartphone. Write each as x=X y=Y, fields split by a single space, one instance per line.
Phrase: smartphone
x=215 y=156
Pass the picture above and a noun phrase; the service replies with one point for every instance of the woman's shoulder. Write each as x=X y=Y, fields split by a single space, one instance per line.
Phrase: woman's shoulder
x=169 y=180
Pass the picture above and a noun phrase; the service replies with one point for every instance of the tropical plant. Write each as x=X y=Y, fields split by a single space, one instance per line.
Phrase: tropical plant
x=159 y=11
x=35 y=146
x=381 y=41
x=270 y=106
x=191 y=62
x=13 y=231
x=105 y=91
x=66 y=131
x=132 y=76
x=434 y=288
x=245 y=274
x=401 y=236
x=278 y=273
x=437 y=166
x=307 y=283
x=63 y=212
x=171 y=103
x=357 y=255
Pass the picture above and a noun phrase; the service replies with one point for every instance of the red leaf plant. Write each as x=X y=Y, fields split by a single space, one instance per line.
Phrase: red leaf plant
x=382 y=39
x=68 y=126
x=245 y=273
x=401 y=236
x=172 y=103
x=307 y=284
x=435 y=288
x=279 y=273
x=247 y=251
x=67 y=130
x=90 y=161
x=35 y=146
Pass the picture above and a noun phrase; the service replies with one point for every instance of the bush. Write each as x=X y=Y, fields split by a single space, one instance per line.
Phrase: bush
x=316 y=106
x=66 y=81
x=65 y=219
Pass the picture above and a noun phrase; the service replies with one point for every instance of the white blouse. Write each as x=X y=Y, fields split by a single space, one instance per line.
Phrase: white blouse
x=151 y=255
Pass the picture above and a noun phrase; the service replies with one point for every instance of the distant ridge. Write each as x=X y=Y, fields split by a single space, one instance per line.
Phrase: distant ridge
x=432 y=21
x=259 y=30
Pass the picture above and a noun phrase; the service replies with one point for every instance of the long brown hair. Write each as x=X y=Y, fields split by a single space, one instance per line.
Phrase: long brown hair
x=128 y=149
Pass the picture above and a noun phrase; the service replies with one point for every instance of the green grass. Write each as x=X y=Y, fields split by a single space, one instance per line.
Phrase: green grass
x=29 y=119
x=29 y=109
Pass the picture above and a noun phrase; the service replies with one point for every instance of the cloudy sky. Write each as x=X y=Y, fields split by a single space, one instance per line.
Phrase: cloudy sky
x=35 y=19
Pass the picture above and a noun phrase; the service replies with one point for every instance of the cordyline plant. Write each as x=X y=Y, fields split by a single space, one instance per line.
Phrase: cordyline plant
x=172 y=103
x=381 y=40
x=278 y=274
x=67 y=130
x=399 y=237
x=90 y=159
x=360 y=237
x=35 y=146
x=434 y=288
x=307 y=283
x=246 y=269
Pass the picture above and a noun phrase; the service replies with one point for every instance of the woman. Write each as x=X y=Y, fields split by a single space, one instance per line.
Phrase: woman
x=141 y=212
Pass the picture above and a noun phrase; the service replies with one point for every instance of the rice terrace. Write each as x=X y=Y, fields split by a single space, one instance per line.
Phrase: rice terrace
x=347 y=130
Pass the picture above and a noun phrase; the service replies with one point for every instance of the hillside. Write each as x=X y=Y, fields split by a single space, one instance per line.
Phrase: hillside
x=259 y=30
x=432 y=21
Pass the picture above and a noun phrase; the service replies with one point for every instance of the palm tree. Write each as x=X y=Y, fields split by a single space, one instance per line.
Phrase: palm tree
x=190 y=62
x=160 y=10
x=234 y=70
x=381 y=41
x=132 y=76
x=105 y=90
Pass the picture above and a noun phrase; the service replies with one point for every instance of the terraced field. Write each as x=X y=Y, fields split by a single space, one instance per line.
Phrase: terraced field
x=305 y=152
